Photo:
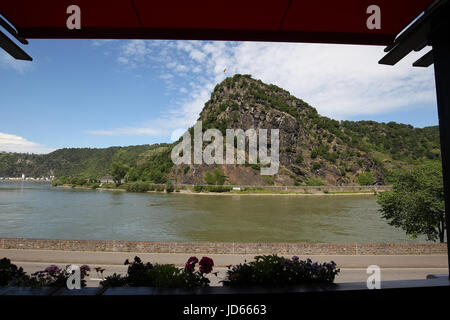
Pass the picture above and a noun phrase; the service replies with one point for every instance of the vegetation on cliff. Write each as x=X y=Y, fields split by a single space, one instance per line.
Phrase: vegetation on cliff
x=313 y=149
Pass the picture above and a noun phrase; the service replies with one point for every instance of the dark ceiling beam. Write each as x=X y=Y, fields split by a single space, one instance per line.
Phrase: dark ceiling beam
x=415 y=37
x=12 y=31
x=13 y=49
x=425 y=61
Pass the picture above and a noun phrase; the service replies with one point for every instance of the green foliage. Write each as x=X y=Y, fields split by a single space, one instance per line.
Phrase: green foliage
x=299 y=159
x=52 y=276
x=212 y=188
x=401 y=141
x=169 y=187
x=138 y=187
x=316 y=166
x=10 y=273
x=313 y=181
x=118 y=171
x=79 y=162
x=272 y=270
x=132 y=175
x=269 y=180
x=157 y=166
x=416 y=202
x=322 y=151
x=159 y=275
x=216 y=178
x=366 y=179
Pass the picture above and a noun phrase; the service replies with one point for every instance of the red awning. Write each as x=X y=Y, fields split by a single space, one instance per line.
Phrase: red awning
x=327 y=21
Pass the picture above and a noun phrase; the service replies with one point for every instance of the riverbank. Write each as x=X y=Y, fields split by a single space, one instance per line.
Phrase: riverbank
x=238 y=190
x=393 y=248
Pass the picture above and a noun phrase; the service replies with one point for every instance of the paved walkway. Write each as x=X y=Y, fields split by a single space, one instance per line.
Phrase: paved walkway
x=353 y=268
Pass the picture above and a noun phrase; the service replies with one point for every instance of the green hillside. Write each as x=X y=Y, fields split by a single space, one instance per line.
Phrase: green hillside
x=312 y=147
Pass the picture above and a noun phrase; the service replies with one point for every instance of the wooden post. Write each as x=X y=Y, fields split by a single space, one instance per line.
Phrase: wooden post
x=440 y=40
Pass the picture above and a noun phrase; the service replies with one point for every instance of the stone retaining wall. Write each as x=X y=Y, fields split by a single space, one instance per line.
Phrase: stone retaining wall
x=227 y=247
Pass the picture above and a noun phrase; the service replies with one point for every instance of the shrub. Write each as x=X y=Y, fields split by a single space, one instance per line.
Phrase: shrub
x=272 y=270
x=366 y=179
x=11 y=273
x=138 y=187
x=216 y=178
x=169 y=187
x=299 y=160
x=162 y=275
x=316 y=166
x=212 y=189
x=269 y=180
x=312 y=181
x=52 y=276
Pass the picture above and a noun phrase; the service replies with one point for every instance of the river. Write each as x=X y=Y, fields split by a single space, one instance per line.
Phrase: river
x=38 y=210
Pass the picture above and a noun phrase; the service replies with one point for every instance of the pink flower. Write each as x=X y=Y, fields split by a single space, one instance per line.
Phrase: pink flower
x=206 y=265
x=190 y=264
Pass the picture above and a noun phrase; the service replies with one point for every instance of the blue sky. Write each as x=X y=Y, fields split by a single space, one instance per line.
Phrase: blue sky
x=100 y=93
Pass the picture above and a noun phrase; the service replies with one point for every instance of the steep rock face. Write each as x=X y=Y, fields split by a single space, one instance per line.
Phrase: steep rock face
x=311 y=146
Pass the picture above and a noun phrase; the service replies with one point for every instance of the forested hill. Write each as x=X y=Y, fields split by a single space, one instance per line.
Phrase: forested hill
x=84 y=162
x=313 y=148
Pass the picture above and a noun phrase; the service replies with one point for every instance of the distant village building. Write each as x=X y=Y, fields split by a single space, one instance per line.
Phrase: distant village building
x=107 y=179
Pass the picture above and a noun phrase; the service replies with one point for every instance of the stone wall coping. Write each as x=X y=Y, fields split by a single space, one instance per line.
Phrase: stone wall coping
x=388 y=248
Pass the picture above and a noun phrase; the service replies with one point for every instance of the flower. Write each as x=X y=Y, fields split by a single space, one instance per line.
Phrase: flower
x=295 y=258
x=85 y=267
x=206 y=265
x=190 y=264
x=52 y=269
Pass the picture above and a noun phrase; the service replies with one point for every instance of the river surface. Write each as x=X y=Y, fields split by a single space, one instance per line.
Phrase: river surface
x=38 y=210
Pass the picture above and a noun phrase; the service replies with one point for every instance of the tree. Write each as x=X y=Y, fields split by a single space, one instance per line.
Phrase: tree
x=118 y=172
x=416 y=202
x=366 y=179
x=132 y=175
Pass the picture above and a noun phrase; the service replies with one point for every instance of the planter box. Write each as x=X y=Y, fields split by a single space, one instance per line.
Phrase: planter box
x=441 y=281
x=27 y=291
x=88 y=291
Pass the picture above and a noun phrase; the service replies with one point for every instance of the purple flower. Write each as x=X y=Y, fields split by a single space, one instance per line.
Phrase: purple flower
x=206 y=265
x=52 y=269
x=309 y=261
x=295 y=258
x=85 y=267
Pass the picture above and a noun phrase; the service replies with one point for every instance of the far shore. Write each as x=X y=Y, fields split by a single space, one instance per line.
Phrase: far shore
x=264 y=192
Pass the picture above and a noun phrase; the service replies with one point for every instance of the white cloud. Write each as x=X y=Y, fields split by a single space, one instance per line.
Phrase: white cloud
x=340 y=81
x=13 y=143
x=8 y=62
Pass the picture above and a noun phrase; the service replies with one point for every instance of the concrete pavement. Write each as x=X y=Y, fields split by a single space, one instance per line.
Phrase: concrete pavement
x=353 y=268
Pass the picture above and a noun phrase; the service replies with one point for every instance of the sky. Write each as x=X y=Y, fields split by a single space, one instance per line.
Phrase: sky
x=101 y=93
